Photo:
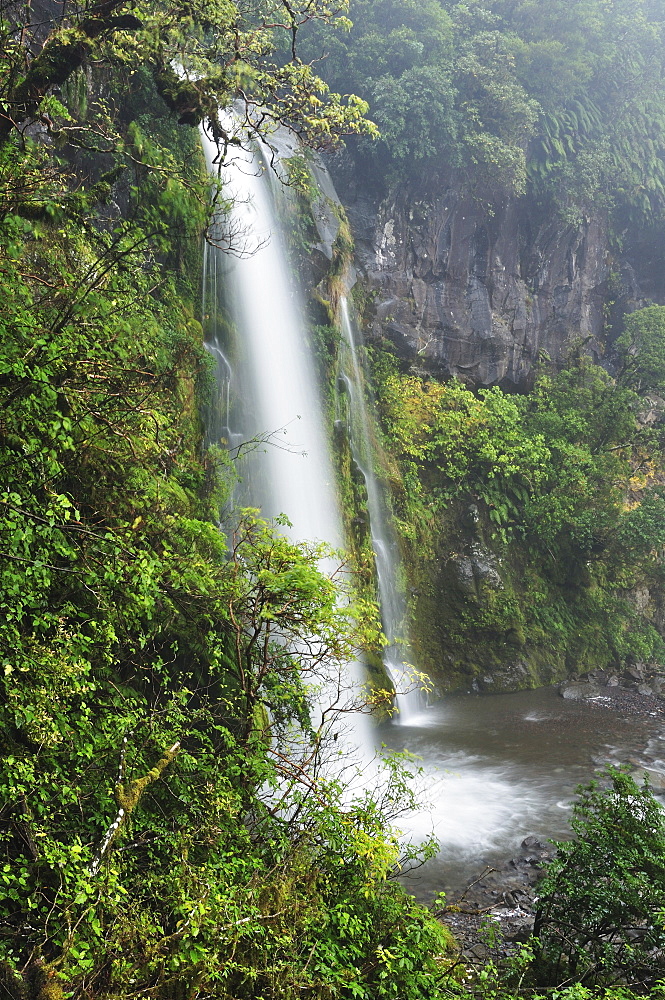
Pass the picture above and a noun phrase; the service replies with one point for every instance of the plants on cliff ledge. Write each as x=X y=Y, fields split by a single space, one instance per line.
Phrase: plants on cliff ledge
x=450 y=442
x=551 y=466
x=564 y=481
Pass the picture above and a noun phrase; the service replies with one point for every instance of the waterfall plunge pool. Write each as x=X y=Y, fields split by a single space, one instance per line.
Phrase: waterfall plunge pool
x=497 y=768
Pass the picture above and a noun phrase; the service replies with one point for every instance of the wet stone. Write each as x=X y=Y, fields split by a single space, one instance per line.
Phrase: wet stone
x=656 y=779
x=580 y=691
x=506 y=896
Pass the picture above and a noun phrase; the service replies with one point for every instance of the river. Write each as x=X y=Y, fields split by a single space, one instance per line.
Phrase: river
x=497 y=768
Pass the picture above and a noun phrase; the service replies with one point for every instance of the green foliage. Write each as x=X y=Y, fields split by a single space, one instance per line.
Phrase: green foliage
x=450 y=442
x=497 y=115
x=397 y=56
x=599 y=915
x=475 y=442
x=593 y=121
x=587 y=421
x=415 y=115
x=641 y=347
x=643 y=528
x=564 y=482
x=562 y=100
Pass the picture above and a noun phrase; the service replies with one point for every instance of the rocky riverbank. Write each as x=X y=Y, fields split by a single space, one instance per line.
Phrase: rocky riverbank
x=640 y=688
x=497 y=910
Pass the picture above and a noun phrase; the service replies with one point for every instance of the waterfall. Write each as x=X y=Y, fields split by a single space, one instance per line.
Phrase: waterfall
x=218 y=415
x=384 y=543
x=274 y=382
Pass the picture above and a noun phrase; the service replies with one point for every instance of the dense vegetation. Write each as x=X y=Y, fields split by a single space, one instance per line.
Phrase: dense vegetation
x=173 y=823
x=599 y=910
x=561 y=488
x=563 y=98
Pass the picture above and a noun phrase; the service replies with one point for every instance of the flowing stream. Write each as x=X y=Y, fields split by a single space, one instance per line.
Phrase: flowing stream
x=497 y=768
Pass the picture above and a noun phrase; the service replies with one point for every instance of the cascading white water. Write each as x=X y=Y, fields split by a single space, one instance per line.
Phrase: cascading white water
x=391 y=598
x=274 y=378
x=274 y=383
x=218 y=417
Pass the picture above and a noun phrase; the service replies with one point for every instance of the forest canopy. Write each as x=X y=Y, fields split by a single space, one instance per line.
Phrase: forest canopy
x=563 y=99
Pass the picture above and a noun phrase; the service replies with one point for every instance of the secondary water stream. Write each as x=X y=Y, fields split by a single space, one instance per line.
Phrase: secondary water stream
x=391 y=598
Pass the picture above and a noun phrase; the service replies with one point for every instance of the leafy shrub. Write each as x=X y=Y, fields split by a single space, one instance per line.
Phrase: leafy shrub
x=600 y=910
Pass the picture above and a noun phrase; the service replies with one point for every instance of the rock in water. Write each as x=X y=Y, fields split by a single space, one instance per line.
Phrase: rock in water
x=580 y=691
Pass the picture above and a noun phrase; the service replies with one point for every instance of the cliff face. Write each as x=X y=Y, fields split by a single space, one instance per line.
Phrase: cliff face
x=475 y=294
x=480 y=294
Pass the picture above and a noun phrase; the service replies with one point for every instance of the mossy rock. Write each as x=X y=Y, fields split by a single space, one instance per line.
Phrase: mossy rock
x=378 y=681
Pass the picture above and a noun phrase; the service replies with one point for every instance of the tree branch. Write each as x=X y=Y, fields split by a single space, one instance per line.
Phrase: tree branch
x=128 y=795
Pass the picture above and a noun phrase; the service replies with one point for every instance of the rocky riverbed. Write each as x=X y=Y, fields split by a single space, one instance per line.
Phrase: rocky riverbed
x=638 y=688
x=497 y=910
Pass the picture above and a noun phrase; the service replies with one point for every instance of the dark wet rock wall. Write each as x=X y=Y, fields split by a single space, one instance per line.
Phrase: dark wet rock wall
x=478 y=292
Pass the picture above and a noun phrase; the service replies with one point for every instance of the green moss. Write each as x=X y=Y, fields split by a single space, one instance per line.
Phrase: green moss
x=381 y=688
x=63 y=53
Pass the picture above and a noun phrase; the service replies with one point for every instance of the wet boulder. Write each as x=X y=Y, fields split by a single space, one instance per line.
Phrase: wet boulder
x=580 y=690
x=655 y=778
